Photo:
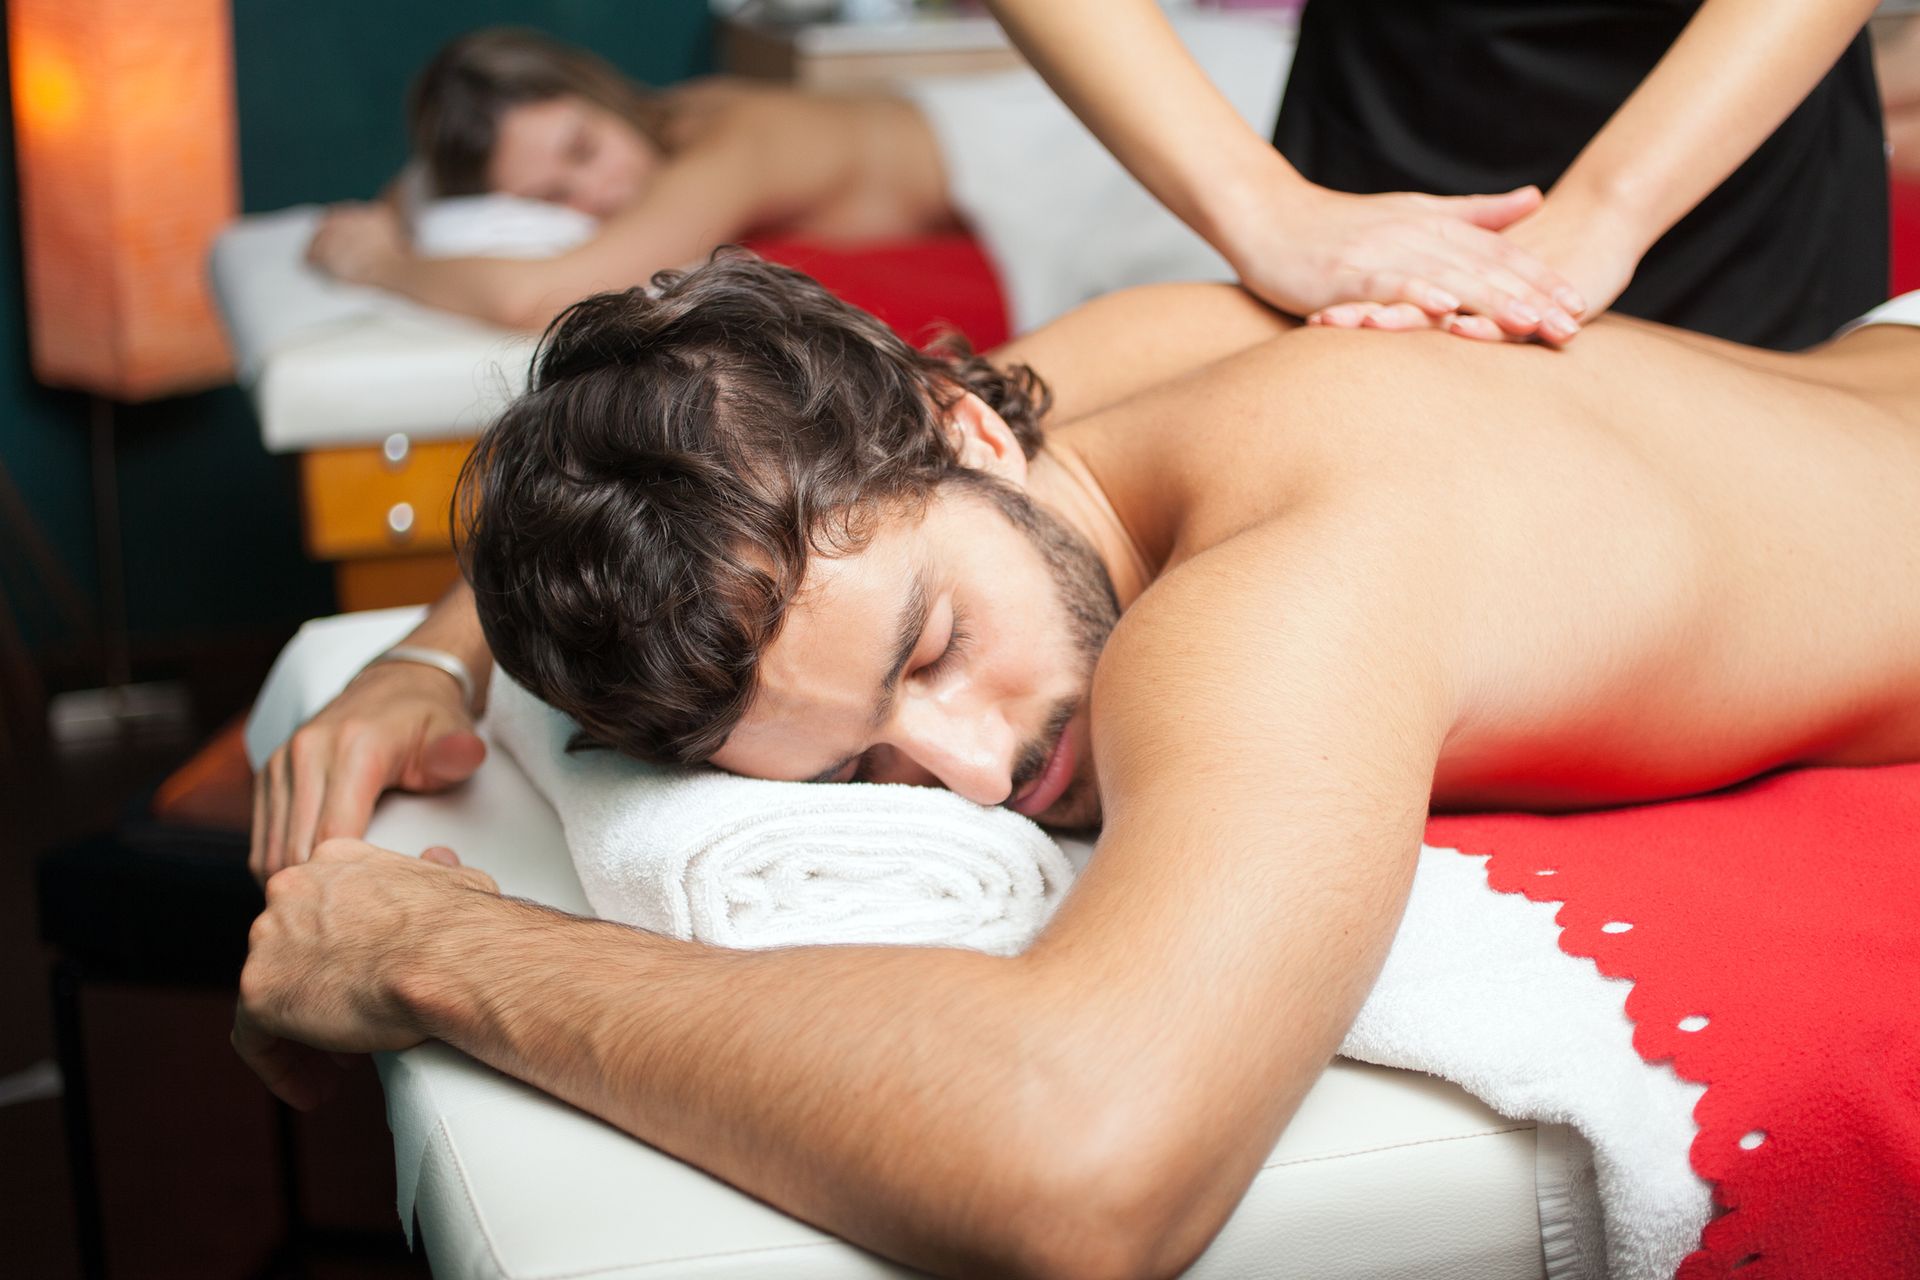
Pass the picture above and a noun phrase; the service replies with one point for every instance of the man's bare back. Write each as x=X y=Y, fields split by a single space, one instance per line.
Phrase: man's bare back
x=1660 y=583
x=1360 y=572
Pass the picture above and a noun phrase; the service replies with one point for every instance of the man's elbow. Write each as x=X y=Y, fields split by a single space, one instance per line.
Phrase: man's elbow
x=1128 y=1206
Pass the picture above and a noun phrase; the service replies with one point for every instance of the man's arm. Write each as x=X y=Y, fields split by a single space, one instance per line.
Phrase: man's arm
x=1266 y=721
x=768 y=162
x=396 y=724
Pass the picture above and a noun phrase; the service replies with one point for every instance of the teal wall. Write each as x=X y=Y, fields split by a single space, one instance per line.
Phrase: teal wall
x=211 y=520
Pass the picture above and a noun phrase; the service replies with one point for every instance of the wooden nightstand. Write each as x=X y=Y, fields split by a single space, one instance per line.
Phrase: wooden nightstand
x=381 y=515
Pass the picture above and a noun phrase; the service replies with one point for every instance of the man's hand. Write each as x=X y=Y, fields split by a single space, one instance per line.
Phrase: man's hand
x=1429 y=257
x=359 y=243
x=398 y=724
x=325 y=958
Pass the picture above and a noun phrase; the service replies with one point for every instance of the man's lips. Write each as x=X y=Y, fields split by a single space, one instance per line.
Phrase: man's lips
x=1043 y=791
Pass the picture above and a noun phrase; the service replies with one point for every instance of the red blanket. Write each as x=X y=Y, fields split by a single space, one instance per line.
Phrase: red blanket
x=920 y=286
x=1773 y=939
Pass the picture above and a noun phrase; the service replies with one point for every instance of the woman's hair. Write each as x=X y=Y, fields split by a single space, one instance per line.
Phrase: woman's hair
x=455 y=105
x=636 y=524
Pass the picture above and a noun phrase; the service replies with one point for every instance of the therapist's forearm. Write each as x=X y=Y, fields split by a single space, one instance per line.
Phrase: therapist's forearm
x=1736 y=72
x=1183 y=140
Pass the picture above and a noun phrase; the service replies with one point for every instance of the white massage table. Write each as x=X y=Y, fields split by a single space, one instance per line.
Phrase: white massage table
x=1382 y=1173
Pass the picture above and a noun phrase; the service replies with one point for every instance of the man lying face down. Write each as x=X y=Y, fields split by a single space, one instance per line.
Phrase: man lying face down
x=1355 y=575
x=743 y=523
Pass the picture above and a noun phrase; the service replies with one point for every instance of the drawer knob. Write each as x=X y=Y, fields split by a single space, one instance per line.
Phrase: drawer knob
x=400 y=520
x=396 y=448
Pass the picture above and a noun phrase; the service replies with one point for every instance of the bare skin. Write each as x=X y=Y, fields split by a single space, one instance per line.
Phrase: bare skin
x=1353 y=587
x=1733 y=75
x=742 y=160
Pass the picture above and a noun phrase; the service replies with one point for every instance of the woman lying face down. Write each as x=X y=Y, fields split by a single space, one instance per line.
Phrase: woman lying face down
x=511 y=112
x=669 y=174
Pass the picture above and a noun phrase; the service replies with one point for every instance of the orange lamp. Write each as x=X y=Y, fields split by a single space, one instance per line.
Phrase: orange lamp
x=123 y=115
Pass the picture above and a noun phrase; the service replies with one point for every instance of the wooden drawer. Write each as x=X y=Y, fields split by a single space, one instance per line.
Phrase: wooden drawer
x=382 y=500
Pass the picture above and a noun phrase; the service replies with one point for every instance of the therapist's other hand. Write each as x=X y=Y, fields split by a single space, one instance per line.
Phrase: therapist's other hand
x=1587 y=244
x=1442 y=255
x=329 y=961
x=1591 y=245
x=359 y=243
x=397 y=724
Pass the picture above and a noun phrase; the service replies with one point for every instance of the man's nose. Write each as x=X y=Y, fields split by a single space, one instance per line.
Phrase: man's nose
x=970 y=754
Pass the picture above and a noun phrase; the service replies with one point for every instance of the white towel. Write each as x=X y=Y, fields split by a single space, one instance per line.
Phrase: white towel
x=1475 y=988
x=272 y=300
x=739 y=862
x=498 y=226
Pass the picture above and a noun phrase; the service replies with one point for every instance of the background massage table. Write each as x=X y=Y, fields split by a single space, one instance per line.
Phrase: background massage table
x=381 y=398
x=1382 y=1173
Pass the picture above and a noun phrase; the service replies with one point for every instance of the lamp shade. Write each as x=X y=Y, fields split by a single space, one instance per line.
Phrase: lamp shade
x=123 y=114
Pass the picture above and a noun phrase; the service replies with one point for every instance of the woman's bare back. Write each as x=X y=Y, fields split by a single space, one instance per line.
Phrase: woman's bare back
x=887 y=180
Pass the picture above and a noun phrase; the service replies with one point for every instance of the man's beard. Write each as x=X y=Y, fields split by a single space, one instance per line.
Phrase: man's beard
x=1086 y=596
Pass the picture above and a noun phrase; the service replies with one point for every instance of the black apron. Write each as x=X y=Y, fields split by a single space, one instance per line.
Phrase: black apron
x=1458 y=97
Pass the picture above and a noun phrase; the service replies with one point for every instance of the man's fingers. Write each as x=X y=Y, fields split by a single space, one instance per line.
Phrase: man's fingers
x=257 y=837
x=451 y=758
x=278 y=787
x=445 y=857
x=308 y=789
x=299 y=1076
x=1494 y=212
x=352 y=790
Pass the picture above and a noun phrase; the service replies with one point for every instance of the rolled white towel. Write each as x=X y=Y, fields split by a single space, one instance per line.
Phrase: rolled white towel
x=498 y=226
x=741 y=862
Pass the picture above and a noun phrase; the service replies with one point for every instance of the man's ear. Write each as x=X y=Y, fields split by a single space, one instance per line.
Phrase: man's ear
x=984 y=440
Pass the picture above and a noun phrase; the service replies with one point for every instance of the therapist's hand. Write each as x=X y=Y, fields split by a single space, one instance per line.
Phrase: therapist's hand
x=1439 y=255
x=398 y=724
x=1587 y=244
x=330 y=959
x=360 y=243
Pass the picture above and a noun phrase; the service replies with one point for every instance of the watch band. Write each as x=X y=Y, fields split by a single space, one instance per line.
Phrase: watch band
x=439 y=659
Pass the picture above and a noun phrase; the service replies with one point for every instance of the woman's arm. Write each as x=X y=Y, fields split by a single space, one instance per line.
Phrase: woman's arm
x=1736 y=72
x=765 y=162
x=1297 y=245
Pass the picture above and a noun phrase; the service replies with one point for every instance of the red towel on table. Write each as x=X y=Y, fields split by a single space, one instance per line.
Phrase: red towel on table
x=919 y=287
x=1774 y=947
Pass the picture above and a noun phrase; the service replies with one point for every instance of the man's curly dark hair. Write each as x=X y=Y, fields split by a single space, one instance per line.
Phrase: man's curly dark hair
x=635 y=525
